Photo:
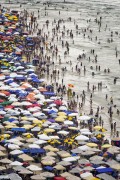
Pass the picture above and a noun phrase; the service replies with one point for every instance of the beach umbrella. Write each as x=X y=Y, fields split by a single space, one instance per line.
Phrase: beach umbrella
x=34 y=168
x=73 y=114
x=25 y=172
x=2 y=154
x=5 y=161
x=16 y=152
x=105 y=176
x=63 y=154
x=106 y=146
x=95 y=158
x=115 y=166
x=70 y=159
x=48 y=130
x=25 y=157
x=84 y=118
x=13 y=146
x=68 y=122
x=76 y=151
x=16 y=163
x=34 y=146
x=59 y=167
x=91 y=144
x=81 y=138
x=76 y=170
x=40 y=141
x=36 y=129
x=63 y=132
x=84 y=148
x=48 y=162
x=44 y=137
x=64 y=163
x=63 y=108
x=83 y=161
x=86 y=175
x=87 y=153
x=38 y=177
x=86 y=133
x=47 y=174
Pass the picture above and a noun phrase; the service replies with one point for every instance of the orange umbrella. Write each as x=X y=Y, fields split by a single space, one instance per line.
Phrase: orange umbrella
x=71 y=85
x=5 y=92
x=30 y=96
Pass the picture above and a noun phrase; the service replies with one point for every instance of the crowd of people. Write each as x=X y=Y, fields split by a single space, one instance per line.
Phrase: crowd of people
x=45 y=132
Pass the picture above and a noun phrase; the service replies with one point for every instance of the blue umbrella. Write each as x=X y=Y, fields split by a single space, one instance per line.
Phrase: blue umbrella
x=48 y=168
x=104 y=170
x=49 y=93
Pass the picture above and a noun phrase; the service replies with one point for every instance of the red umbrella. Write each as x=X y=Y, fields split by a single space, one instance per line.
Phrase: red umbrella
x=58 y=102
x=10 y=107
x=1 y=100
x=1 y=117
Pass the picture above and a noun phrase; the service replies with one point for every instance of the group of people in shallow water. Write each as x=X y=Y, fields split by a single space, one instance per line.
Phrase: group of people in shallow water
x=49 y=58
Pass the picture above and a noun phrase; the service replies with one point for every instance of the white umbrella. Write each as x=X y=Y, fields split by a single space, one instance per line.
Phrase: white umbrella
x=13 y=146
x=68 y=122
x=34 y=168
x=35 y=129
x=26 y=103
x=14 y=84
x=72 y=114
x=54 y=137
x=44 y=137
x=81 y=137
x=84 y=118
x=2 y=112
x=16 y=152
x=52 y=105
x=40 y=142
x=84 y=148
x=63 y=132
x=34 y=146
x=69 y=159
x=86 y=175
x=86 y=133
x=16 y=163
x=63 y=108
x=37 y=114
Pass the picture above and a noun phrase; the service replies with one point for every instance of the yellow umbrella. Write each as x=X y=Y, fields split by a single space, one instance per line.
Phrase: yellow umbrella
x=47 y=130
x=24 y=118
x=53 y=149
x=61 y=113
x=93 y=178
x=36 y=121
x=59 y=120
x=28 y=126
x=91 y=144
x=48 y=162
x=9 y=126
x=6 y=15
x=62 y=116
x=106 y=146
x=5 y=135
x=27 y=134
x=97 y=127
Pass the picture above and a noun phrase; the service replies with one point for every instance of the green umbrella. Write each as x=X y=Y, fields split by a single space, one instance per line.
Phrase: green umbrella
x=6 y=103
